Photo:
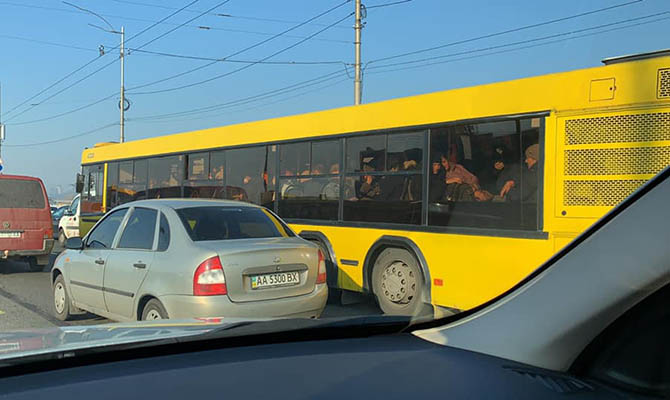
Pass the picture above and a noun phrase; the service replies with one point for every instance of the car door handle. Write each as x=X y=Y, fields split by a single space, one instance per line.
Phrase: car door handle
x=140 y=265
x=100 y=261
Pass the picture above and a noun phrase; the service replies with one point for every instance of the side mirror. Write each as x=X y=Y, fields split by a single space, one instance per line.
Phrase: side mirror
x=80 y=183
x=74 y=243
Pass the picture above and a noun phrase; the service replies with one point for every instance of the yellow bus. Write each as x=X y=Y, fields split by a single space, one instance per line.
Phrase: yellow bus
x=410 y=198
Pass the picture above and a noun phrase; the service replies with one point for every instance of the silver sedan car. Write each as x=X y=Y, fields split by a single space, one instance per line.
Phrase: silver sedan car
x=176 y=258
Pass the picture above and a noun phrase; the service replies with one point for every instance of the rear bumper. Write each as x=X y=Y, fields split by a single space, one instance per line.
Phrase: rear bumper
x=308 y=306
x=47 y=246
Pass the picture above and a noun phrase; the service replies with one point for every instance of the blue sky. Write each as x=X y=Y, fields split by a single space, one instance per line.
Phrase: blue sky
x=28 y=66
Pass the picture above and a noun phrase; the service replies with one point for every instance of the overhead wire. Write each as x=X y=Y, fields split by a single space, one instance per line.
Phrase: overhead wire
x=188 y=57
x=58 y=93
x=394 y=3
x=242 y=50
x=508 y=31
x=63 y=45
x=89 y=132
x=179 y=119
x=514 y=49
x=138 y=3
x=270 y=94
x=182 y=24
x=521 y=42
x=84 y=66
x=194 y=26
x=238 y=69
x=216 y=107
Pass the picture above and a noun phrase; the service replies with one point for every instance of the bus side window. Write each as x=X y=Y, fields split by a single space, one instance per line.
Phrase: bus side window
x=480 y=175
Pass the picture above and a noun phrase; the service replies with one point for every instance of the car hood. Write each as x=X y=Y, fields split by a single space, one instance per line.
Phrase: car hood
x=15 y=345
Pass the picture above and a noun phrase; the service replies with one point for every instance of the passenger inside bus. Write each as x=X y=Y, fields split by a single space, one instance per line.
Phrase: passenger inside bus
x=367 y=188
x=523 y=186
x=331 y=191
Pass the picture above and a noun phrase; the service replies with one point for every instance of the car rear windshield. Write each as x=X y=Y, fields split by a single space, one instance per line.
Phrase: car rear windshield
x=19 y=193
x=223 y=223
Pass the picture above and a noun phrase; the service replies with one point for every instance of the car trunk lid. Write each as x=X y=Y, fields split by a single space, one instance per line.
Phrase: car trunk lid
x=266 y=269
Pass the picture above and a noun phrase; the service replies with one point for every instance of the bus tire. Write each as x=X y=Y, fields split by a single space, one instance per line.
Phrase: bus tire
x=61 y=237
x=397 y=282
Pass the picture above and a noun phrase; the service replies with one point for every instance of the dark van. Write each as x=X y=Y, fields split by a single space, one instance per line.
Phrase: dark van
x=26 y=231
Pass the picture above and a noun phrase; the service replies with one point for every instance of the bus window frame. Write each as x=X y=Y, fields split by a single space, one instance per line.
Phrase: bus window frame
x=538 y=233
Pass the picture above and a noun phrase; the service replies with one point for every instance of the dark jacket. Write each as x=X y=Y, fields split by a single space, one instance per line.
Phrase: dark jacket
x=525 y=183
x=367 y=191
x=437 y=187
x=391 y=187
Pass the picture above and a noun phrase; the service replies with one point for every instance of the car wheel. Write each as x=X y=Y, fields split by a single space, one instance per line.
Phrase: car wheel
x=33 y=265
x=61 y=299
x=61 y=237
x=397 y=282
x=154 y=310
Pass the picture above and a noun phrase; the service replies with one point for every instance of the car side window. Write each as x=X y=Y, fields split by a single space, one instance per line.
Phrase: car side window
x=139 y=230
x=102 y=236
x=633 y=353
x=73 y=206
x=163 y=234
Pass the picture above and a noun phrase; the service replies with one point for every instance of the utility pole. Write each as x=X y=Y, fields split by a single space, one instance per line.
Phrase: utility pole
x=357 y=44
x=122 y=104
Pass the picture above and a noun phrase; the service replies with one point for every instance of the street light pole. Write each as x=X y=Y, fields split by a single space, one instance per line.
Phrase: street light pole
x=357 y=45
x=122 y=104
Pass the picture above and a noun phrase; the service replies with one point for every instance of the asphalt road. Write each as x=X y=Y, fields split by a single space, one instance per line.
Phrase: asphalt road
x=25 y=301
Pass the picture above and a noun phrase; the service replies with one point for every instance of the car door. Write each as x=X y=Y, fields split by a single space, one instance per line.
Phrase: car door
x=86 y=269
x=70 y=221
x=128 y=264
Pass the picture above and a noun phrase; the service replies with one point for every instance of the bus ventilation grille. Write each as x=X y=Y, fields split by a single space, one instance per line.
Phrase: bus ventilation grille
x=598 y=193
x=618 y=161
x=663 y=90
x=618 y=129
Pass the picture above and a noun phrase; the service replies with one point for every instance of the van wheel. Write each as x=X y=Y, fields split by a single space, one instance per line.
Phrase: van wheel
x=61 y=300
x=61 y=237
x=154 y=310
x=397 y=282
x=33 y=265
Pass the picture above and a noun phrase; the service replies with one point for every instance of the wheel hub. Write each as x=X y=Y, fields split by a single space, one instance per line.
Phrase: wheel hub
x=153 y=314
x=398 y=283
x=59 y=297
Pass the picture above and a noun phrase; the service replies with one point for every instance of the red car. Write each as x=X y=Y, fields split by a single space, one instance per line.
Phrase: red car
x=26 y=230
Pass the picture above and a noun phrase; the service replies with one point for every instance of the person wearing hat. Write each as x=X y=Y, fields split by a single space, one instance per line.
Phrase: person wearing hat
x=529 y=178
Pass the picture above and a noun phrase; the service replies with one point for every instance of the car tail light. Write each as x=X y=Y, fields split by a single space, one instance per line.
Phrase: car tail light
x=208 y=279
x=321 y=277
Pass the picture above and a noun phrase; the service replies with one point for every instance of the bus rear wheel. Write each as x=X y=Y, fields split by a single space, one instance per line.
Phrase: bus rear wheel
x=397 y=282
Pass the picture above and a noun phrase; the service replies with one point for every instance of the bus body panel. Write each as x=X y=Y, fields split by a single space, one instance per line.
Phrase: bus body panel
x=606 y=130
x=468 y=269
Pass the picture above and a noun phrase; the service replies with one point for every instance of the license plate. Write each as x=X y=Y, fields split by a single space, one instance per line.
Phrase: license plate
x=10 y=234
x=271 y=280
